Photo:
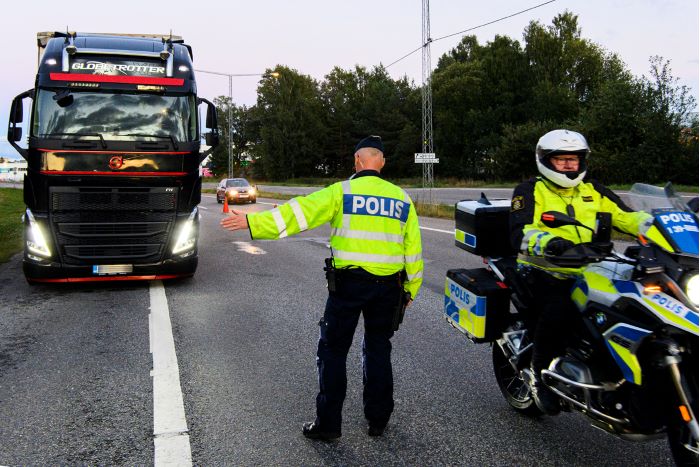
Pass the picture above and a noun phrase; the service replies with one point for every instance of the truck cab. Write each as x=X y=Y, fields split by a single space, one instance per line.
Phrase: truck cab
x=113 y=154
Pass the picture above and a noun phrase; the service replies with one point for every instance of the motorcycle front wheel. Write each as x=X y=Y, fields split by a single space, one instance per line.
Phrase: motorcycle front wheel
x=512 y=386
x=678 y=430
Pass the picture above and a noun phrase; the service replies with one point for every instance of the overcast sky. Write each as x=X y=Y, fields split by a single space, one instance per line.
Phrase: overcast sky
x=313 y=36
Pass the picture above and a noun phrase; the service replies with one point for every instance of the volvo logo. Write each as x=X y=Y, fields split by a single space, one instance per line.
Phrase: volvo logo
x=116 y=162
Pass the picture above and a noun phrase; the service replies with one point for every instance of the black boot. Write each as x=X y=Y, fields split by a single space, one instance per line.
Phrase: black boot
x=313 y=431
x=545 y=399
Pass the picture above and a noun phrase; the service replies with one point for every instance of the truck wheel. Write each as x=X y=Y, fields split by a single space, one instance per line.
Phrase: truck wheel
x=514 y=388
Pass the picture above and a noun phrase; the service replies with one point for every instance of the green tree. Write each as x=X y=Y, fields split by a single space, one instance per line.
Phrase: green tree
x=243 y=136
x=292 y=133
x=361 y=102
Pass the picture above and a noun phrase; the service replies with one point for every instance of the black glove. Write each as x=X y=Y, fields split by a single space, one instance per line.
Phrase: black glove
x=557 y=246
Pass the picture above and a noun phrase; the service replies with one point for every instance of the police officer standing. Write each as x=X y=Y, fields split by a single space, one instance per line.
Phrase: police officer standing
x=376 y=266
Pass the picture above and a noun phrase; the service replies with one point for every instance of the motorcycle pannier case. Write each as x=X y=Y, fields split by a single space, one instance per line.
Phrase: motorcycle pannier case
x=476 y=303
x=482 y=229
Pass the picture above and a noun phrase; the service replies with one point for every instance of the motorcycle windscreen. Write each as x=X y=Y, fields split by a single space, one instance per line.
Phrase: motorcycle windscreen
x=679 y=228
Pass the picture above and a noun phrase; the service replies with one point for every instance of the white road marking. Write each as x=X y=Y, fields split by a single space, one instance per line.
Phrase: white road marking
x=451 y=232
x=170 y=436
x=203 y=207
x=248 y=248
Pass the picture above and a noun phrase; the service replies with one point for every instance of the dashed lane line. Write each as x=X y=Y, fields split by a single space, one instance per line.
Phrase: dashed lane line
x=170 y=435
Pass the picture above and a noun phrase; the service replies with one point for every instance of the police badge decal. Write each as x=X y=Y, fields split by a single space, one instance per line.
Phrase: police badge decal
x=517 y=203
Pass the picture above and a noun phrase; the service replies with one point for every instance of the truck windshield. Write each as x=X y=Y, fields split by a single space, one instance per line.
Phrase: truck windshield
x=116 y=117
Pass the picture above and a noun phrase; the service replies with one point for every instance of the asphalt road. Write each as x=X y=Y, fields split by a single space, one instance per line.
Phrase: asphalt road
x=76 y=386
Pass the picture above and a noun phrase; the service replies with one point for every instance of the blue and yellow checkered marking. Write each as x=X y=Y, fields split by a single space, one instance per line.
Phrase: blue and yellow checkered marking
x=466 y=238
x=620 y=340
x=465 y=309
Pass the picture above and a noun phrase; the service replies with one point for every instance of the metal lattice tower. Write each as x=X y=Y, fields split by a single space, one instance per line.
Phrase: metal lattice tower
x=427 y=95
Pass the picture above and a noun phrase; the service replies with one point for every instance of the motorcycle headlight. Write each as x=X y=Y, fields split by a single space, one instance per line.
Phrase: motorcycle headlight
x=692 y=289
x=187 y=237
x=36 y=242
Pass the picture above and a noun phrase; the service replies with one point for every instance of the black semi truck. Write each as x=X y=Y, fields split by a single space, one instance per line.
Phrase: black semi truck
x=113 y=154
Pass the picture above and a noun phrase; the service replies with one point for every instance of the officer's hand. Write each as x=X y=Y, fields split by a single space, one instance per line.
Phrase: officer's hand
x=557 y=246
x=409 y=303
x=236 y=220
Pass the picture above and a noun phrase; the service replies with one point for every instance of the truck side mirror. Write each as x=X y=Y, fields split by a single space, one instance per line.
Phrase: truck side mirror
x=212 y=139
x=16 y=112
x=211 y=116
x=211 y=120
x=14 y=134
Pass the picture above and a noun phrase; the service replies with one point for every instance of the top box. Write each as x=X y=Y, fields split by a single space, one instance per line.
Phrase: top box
x=483 y=229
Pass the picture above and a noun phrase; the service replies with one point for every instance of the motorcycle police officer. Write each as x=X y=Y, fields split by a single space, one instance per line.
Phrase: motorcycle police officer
x=376 y=268
x=561 y=160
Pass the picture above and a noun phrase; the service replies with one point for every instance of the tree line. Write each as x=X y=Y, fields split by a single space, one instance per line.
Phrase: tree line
x=491 y=103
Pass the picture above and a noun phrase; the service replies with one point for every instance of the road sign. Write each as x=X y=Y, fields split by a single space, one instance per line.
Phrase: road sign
x=426 y=158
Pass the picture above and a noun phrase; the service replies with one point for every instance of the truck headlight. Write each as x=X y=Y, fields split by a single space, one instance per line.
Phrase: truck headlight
x=692 y=289
x=35 y=241
x=187 y=236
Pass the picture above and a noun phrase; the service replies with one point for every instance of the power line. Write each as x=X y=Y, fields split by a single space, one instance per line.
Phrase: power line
x=471 y=29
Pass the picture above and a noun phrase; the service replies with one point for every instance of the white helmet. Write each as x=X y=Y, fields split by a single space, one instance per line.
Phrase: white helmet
x=560 y=142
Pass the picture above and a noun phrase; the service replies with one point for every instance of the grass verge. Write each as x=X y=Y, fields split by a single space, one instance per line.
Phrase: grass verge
x=11 y=209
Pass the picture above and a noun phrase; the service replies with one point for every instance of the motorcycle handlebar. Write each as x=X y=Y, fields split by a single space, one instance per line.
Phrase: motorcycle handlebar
x=582 y=254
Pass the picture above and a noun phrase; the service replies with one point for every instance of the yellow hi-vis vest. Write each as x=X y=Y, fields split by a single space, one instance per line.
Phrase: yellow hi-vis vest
x=586 y=200
x=374 y=226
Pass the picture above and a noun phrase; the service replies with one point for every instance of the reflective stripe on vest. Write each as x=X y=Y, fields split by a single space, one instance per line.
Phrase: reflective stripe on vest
x=526 y=240
x=369 y=257
x=365 y=235
x=346 y=191
x=299 y=215
x=418 y=275
x=281 y=226
x=414 y=258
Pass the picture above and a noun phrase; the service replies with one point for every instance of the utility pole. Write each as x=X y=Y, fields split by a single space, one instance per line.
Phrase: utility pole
x=230 y=127
x=427 y=95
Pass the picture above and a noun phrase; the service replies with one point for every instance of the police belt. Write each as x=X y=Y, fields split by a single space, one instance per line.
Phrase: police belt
x=362 y=275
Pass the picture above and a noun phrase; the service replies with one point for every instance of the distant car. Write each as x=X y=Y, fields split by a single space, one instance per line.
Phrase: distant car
x=236 y=190
x=206 y=172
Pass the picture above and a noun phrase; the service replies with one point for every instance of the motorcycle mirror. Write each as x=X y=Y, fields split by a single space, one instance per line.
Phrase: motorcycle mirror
x=603 y=224
x=558 y=219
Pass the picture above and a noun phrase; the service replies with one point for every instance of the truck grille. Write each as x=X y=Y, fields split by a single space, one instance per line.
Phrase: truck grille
x=112 y=225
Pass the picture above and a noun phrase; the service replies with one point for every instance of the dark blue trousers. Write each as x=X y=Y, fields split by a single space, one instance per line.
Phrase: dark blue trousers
x=376 y=301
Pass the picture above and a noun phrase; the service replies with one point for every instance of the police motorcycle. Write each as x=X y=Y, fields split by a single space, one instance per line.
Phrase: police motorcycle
x=632 y=366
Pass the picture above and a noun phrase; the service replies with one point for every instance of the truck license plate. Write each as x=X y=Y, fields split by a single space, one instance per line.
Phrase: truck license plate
x=112 y=269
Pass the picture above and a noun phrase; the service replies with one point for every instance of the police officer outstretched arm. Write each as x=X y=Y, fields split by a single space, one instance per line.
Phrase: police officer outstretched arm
x=375 y=270
x=561 y=157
